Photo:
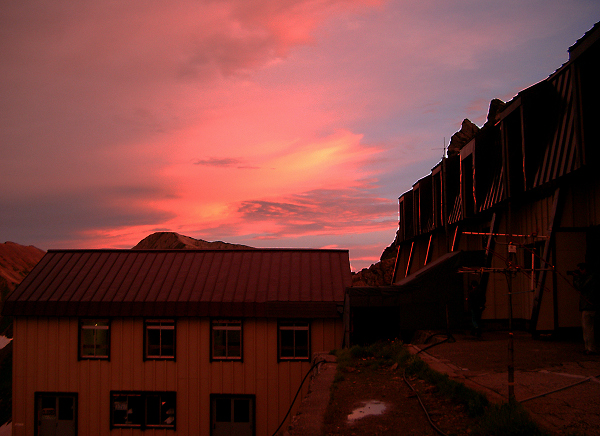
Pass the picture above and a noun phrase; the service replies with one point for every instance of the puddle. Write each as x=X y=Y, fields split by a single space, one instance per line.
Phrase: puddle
x=373 y=407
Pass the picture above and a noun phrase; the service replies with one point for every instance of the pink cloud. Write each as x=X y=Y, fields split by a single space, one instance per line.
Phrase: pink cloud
x=298 y=120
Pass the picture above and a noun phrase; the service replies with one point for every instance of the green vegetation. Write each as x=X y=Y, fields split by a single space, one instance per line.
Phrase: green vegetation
x=475 y=402
x=508 y=419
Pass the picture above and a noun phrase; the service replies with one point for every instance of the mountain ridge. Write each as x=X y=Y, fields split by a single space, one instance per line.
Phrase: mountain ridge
x=173 y=240
x=16 y=261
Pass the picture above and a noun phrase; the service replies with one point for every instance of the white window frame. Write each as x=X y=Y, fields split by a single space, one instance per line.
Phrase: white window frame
x=93 y=325
x=294 y=326
x=161 y=325
x=226 y=326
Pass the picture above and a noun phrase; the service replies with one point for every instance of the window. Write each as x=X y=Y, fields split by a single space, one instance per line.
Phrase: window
x=94 y=338
x=226 y=339
x=232 y=414
x=160 y=339
x=142 y=409
x=294 y=341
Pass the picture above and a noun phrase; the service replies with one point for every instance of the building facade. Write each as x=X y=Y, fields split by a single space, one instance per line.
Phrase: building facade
x=170 y=341
x=524 y=192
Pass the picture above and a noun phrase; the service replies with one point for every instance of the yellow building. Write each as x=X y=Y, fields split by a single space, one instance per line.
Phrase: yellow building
x=202 y=342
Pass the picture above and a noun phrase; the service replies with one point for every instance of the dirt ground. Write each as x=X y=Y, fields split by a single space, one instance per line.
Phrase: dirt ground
x=402 y=415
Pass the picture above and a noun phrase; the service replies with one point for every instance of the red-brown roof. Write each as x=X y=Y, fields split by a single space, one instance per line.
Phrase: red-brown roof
x=262 y=282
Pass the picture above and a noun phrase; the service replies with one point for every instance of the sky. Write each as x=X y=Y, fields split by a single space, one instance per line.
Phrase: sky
x=268 y=123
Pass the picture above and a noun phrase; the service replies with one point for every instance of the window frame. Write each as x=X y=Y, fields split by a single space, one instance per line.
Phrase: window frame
x=171 y=396
x=236 y=325
x=293 y=325
x=80 y=343
x=161 y=324
x=251 y=398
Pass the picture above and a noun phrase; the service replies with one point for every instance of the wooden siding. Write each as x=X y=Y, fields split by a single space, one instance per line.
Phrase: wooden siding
x=532 y=173
x=45 y=359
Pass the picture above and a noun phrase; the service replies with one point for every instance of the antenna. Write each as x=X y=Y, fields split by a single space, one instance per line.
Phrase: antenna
x=443 y=148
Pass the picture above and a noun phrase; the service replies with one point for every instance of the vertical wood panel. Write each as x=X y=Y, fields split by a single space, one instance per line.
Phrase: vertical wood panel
x=19 y=374
x=271 y=396
x=52 y=343
x=260 y=357
x=250 y=351
x=283 y=386
x=205 y=374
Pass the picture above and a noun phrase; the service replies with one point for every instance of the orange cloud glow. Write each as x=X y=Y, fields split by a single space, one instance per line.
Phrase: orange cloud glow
x=267 y=123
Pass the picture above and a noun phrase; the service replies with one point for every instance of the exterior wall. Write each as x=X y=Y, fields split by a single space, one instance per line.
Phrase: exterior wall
x=578 y=212
x=543 y=145
x=46 y=359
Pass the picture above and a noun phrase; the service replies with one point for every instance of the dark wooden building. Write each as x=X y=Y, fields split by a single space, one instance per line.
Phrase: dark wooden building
x=522 y=197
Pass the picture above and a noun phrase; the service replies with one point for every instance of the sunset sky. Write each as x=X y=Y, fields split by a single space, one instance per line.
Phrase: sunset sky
x=271 y=123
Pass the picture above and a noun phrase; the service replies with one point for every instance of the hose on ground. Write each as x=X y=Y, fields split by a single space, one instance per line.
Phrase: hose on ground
x=314 y=365
x=435 y=427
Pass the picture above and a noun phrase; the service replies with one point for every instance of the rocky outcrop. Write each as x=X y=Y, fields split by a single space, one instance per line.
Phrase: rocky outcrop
x=467 y=131
x=172 y=240
x=16 y=261
x=378 y=274
x=381 y=273
x=496 y=108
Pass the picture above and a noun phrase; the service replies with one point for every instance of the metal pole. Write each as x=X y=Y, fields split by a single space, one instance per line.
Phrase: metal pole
x=511 y=349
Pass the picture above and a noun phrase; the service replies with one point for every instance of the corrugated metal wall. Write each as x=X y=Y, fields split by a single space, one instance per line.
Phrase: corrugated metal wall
x=45 y=359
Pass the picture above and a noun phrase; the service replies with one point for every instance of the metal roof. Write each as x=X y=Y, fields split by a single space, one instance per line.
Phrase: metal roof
x=261 y=282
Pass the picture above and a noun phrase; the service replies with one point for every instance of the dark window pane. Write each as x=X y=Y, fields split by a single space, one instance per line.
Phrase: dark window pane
x=241 y=410
x=167 y=409
x=153 y=409
x=101 y=337
x=153 y=342
x=168 y=342
x=234 y=342
x=120 y=406
x=302 y=343
x=135 y=413
x=287 y=343
x=219 y=344
x=154 y=337
x=87 y=342
x=223 y=409
x=65 y=408
x=48 y=402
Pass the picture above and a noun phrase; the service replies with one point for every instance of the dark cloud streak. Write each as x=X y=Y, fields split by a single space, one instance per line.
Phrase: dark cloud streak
x=352 y=209
x=224 y=163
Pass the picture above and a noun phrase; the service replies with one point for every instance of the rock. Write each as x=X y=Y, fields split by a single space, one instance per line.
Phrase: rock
x=172 y=240
x=467 y=131
x=496 y=108
x=378 y=274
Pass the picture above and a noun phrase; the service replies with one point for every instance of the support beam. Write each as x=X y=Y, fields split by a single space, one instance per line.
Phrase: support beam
x=539 y=290
x=410 y=255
